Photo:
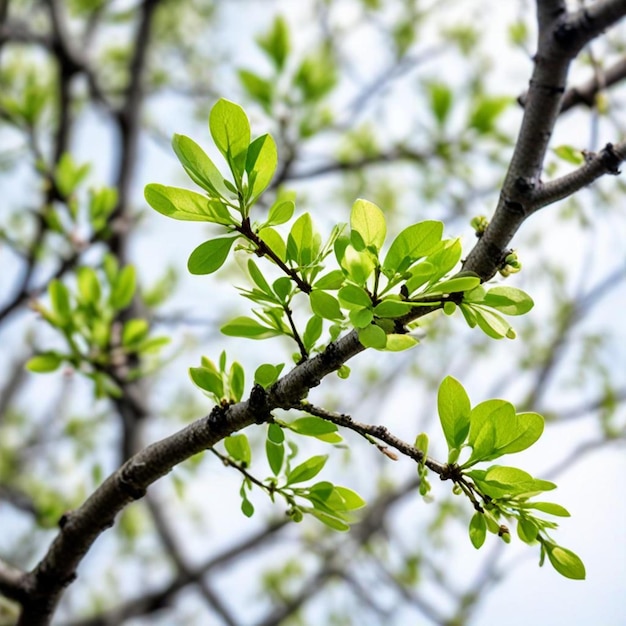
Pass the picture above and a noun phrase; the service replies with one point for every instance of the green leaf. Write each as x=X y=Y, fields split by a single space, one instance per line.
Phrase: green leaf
x=230 y=130
x=88 y=285
x=519 y=433
x=527 y=530
x=440 y=97
x=352 y=297
x=182 y=204
x=238 y=448
x=358 y=265
x=482 y=432
x=351 y=498
x=373 y=336
x=391 y=308
x=267 y=374
x=333 y=280
x=274 y=242
x=315 y=427
x=123 y=288
x=333 y=522
x=312 y=332
x=369 y=221
x=565 y=562
x=478 y=530
x=454 y=285
x=325 y=305
x=247 y=507
x=208 y=380
x=60 y=301
x=261 y=162
x=360 y=318
x=236 y=381
x=307 y=470
x=303 y=242
x=492 y=324
x=44 y=363
x=454 y=412
x=508 y=300
x=135 y=330
x=209 y=256
x=275 y=43
x=275 y=453
x=499 y=481
x=280 y=212
x=548 y=507
x=258 y=278
x=275 y=433
x=411 y=244
x=397 y=342
x=199 y=166
x=247 y=327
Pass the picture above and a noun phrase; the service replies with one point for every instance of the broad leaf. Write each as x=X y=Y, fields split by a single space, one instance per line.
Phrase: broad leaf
x=325 y=305
x=209 y=256
x=369 y=221
x=230 y=130
x=411 y=244
x=261 y=161
x=239 y=448
x=454 y=412
x=508 y=300
x=248 y=327
x=307 y=470
x=182 y=204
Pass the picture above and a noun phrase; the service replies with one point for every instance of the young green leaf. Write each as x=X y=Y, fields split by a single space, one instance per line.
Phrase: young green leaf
x=373 y=336
x=275 y=43
x=352 y=297
x=315 y=427
x=454 y=285
x=208 y=380
x=454 y=412
x=280 y=212
x=411 y=244
x=267 y=374
x=238 y=448
x=230 y=130
x=44 y=363
x=182 y=204
x=369 y=221
x=325 y=305
x=247 y=327
x=508 y=300
x=565 y=562
x=88 y=285
x=135 y=330
x=199 y=166
x=548 y=507
x=236 y=381
x=312 y=332
x=123 y=288
x=398 y=342
x=391 y=308
x=261 y=161
x=60 y=300
x=275 y=453
x=332 y=522
x=307 y=470
x=274 y=242
x=477 y=530
x=209 y=256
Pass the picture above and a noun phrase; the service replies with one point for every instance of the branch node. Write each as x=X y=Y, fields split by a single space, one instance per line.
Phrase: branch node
x=610 y=159
x=258 y=405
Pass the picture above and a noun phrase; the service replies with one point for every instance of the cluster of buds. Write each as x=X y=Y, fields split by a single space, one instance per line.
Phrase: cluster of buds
x=479 y=224
x=510 y=265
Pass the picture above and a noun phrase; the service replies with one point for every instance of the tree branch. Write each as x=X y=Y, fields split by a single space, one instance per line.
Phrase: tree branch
x=12 y=582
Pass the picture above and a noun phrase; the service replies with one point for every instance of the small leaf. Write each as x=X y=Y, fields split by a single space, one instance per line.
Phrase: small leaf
x=247 y=327
x=209 y=256
x=373 y=336
x=274 y=242
x=199 y=166
x=44 y=363
x=565 y=562
x=398 y=342
x=333 y=280
x=369 y=221
x=261 y=162
x=330 y=521
x=247 y=507
x=391 y=308
x=230 y=130
x=183 y=204
x=275 y=43
x=280 y=212
x=312 y=426
x=325 y=305
x=208 y=380
x=135 y=330
x=508 y=300
x=569 y=154
x=88 y=285
x=440 y=97
x=454 y=285
x=236 y=381
x=275 y=454
x=267 y=374
x=123 y=288
x=411 y=244
x=477 y=530
x=352 y=297
x=307 y=470
x=454 y=411
x=351 y=498
x=238 y=448
x=548 y=507
x=60 y=300
x=312 y=332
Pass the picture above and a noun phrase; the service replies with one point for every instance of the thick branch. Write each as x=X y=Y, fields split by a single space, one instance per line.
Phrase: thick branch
x=561 y=36
x=12 y=582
